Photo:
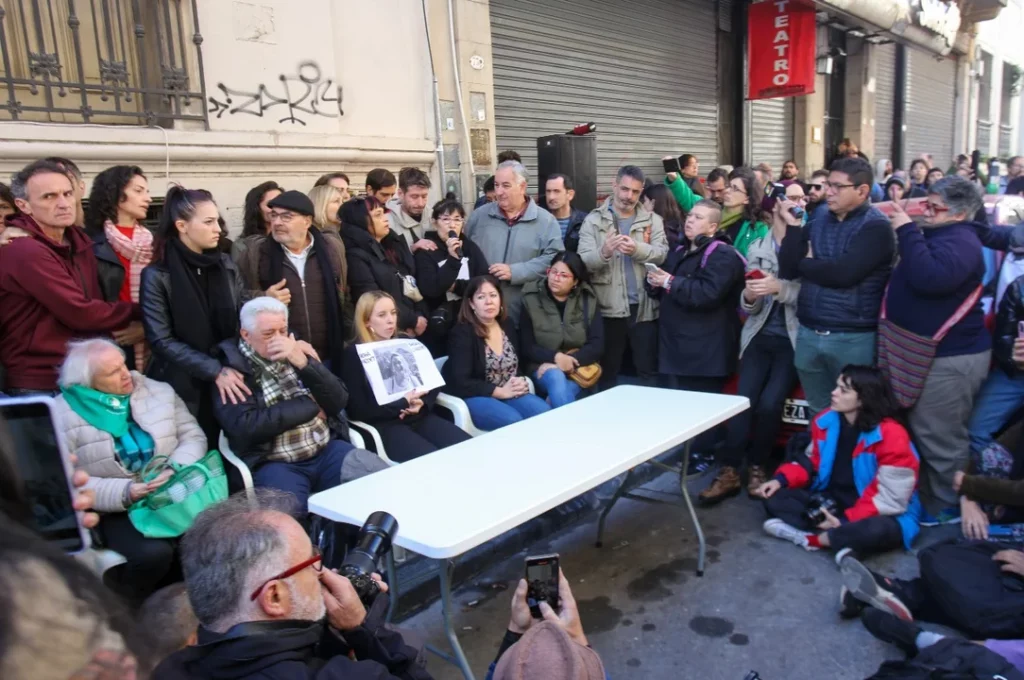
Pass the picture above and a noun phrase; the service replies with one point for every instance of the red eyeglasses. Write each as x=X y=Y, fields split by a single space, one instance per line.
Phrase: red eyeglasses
x=316 y=561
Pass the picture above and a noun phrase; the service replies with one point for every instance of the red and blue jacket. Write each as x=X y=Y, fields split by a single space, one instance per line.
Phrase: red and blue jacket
x=885 y=470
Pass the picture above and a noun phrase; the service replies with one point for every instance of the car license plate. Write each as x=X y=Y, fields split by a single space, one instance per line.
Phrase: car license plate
x=794 y=412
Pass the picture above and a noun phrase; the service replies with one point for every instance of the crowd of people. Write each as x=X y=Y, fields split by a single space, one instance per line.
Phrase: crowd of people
x=160 y=344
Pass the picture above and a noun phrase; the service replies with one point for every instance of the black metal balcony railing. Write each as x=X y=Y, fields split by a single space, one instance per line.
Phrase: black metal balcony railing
x=111 y=61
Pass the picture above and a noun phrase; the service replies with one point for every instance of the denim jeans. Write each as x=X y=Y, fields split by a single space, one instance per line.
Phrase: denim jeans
x=820 y=358
x=561 y=390
x=489 y=413
x=1000 y=397
x=319 y=473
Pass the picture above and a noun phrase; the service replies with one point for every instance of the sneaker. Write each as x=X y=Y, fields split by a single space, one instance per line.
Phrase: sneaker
x=871 y=588
x=779 y=529
x=756 y=477
x=700 y=463
x=889 y=628
x=842 y=555
x=849 y=606
x=726 y=485
x=948 y=515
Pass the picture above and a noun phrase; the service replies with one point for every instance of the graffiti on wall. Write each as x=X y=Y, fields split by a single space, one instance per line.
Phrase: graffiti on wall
x=304 y=94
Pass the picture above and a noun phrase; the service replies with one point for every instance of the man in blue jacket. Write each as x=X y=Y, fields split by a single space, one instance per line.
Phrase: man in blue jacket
x=843 y=260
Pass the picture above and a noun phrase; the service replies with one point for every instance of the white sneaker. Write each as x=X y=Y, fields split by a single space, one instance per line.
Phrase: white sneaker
x=862 y=585
x=779 y=529
x=842 y=554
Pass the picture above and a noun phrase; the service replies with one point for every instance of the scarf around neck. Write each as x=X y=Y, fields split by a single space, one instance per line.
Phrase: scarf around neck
x=106 y=412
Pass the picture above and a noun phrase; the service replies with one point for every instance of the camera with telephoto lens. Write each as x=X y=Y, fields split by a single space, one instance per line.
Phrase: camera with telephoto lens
x=777 y=192
x=815 y=512
x=372 y=543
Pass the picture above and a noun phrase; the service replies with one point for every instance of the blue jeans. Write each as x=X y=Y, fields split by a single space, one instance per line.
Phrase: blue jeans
x=319 y=473
x=560 y=389
x=1000 y=397
x=820 y=358
x=489 y=413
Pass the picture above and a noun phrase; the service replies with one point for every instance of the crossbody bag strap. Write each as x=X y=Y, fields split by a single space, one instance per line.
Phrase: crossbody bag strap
x=885 y=298
x=959 y=314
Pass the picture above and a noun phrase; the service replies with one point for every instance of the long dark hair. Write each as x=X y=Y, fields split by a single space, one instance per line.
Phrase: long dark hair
x=107 y=193
x=253 y=223
x=877 y=401
x=752 y=210
x=355 y=213
x=179 y=204
x=466 y=314
x=665 y=205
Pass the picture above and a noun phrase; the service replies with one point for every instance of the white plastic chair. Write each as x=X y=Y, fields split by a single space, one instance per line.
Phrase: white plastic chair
x=358 y=428
x=229 y=456
x=458 y=408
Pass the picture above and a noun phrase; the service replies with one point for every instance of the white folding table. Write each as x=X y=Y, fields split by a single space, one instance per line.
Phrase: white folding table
x=456 y=499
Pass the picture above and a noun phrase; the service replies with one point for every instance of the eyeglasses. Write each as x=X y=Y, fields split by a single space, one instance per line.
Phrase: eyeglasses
x=449 y=219
x=732 y=188
x=283 y=216
x=316 y=561
x=816 y=187
x=555 y=274
x=931 y=209
x=831 y=186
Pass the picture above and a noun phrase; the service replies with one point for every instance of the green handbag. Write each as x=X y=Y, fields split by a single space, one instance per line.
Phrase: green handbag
x=169 y=511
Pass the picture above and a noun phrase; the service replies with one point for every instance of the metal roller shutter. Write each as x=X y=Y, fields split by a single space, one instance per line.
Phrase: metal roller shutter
x=885 y=100
x=771 y=132
x=931 y=91
x=643 y=71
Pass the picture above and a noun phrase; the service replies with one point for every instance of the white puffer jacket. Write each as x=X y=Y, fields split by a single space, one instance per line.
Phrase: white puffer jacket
x=156 y=409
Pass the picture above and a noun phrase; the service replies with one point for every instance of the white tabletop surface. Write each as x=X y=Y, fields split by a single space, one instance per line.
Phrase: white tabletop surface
x=453 y=500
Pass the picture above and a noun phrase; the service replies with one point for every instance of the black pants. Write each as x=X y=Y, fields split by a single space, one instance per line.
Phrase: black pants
x=708 y=440
x=962 y=587
x=767 y=376
x=642 y=341
x=867 y=536
x=405 y=441
x=151 y=562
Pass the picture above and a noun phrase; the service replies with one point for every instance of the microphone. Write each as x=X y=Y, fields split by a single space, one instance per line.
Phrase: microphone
x=458 y=248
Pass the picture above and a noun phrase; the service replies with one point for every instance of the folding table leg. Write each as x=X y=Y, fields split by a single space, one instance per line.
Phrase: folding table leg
x=393 y=593
x=689 y=504
x=445 y=573
x=608 y=508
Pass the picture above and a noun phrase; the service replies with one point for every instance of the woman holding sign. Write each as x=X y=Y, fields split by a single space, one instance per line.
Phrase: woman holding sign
x=407 y=427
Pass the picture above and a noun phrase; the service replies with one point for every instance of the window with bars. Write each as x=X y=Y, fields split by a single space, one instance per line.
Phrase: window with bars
x=126 y=62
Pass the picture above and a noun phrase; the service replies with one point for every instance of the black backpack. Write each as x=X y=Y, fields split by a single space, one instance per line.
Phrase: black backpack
x=950 y=659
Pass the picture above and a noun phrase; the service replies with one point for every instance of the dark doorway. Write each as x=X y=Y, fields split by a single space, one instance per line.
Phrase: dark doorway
x=835 y=94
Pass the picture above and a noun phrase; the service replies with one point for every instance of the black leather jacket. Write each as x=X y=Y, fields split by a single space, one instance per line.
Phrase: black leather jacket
x=1011 y=314
x=185 y=368
x=572 y=232
x=251 y=425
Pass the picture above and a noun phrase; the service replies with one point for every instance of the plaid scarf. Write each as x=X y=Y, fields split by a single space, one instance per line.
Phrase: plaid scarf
x=138 y=250
x=279 y=381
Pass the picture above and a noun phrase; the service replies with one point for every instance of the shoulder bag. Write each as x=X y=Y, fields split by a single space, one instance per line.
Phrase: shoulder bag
x=169 y=511
x=585 y=376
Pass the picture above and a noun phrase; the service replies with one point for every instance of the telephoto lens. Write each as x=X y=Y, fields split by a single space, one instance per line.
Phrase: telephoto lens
x=372 y=543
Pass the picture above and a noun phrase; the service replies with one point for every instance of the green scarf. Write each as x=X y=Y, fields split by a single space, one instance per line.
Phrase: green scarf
x=107 y=412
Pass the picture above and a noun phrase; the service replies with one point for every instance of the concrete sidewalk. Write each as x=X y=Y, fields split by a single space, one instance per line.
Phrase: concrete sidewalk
x=763 y=604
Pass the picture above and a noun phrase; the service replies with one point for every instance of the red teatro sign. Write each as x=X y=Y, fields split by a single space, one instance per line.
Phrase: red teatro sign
x=780 y=49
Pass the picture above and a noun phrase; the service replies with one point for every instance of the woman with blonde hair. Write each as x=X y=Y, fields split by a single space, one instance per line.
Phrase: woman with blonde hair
x=407 y=426
x=327 y=200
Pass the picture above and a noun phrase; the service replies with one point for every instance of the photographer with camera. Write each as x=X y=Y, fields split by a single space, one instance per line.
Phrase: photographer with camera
x=552 y=648
x=855 y=485
x=261 y=595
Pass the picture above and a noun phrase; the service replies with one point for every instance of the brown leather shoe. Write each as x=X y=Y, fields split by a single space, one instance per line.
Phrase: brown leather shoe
x=726 y=485
x=756 y=476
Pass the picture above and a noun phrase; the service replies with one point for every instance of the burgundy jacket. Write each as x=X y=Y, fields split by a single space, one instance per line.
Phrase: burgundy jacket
x=50 y=294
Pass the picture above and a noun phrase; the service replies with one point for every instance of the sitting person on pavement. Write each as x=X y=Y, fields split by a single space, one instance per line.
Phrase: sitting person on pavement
x=561 y=328
x=976 y=587
x=407 y=427
x=927 y=652
x=554 y=648
x=268 y=609
x=282 y=429
x=116 y=421
x=862 y=463
x=483 y=366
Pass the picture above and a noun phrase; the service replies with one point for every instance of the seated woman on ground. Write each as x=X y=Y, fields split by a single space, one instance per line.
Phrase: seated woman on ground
x=483 y=366
x=562 y=328
x=856 y=485
x=407 y=426
x=116 y=421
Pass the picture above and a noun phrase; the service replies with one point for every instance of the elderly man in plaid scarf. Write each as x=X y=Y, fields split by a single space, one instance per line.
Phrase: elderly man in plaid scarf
x=283 y=429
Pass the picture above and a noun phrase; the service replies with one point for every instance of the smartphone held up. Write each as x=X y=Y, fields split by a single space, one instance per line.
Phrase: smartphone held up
x=542 y=573
x=28 y=426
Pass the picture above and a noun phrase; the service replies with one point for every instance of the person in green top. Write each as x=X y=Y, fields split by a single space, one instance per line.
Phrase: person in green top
x=741 y=211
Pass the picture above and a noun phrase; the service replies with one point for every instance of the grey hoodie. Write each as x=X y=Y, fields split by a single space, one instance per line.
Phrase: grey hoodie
x=527 y=247
x=405 y=225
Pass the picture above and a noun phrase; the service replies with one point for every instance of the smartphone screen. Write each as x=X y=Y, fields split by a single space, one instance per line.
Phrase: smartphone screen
x=542 y=578
x=44 y=470
x=650 y=267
